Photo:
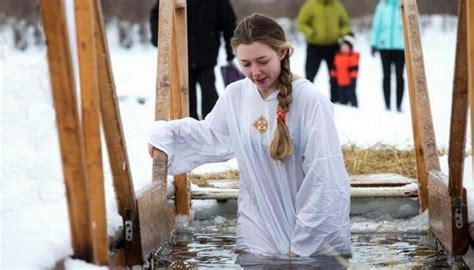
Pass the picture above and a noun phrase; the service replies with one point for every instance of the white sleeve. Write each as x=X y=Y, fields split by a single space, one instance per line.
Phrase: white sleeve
x=190 y=143
x=323 y=199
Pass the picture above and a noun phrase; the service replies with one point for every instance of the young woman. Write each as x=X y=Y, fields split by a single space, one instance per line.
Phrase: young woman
x=294 y=190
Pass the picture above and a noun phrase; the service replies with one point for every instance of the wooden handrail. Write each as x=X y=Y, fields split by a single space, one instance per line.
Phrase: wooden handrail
x=115 y=140
x=86 y=50
x=172 y=81
x=423 y=132
x=470 y=54
x=69 y=128
x=459 y=109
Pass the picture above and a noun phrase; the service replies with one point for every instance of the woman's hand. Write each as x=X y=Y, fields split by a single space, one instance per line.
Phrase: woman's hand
x=151 y=150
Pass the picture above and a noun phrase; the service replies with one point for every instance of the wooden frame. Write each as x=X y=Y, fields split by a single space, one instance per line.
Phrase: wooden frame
x=147 y=216
x=423 y=132
x=172 y=81
x=446 y=195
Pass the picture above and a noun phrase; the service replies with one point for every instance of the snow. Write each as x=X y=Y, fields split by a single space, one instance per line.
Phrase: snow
x=33 y=211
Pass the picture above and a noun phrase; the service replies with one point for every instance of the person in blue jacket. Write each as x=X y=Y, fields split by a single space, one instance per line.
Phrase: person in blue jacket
x=387 y=39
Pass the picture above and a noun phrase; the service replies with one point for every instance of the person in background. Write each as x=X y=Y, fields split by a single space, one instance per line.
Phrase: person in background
x=345 y=70
x=207 y=21
x=294 y=191
x=323 y=22
x=387 y=39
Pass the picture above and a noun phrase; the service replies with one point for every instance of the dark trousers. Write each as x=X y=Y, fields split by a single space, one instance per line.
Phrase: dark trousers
x=348 y=95
x=389 y=58
x=206 y=79
x=314 y=55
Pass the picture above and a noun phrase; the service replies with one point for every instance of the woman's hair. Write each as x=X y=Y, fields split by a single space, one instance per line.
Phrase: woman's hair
x=263 y=29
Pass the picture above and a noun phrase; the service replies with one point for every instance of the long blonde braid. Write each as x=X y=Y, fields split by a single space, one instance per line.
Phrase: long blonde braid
x=263 y=29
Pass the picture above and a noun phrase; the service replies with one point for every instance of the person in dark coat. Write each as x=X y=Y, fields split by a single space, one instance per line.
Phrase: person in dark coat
x=207 y=21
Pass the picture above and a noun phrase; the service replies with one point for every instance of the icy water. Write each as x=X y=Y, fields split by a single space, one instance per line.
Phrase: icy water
x=207 y=245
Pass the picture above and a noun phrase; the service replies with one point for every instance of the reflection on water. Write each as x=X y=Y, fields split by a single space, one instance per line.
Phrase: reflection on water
x=206 y=245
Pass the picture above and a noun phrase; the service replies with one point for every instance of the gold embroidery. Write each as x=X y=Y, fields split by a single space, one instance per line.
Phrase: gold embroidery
x=261 y=124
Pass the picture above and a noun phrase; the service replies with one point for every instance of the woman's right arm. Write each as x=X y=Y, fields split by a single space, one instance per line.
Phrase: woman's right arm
x=190 y=143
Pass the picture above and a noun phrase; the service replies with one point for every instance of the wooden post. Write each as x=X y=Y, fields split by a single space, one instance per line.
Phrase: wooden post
x=423 y=132
x=459 y=109
x=172 y=81
x=164 y=75
x=69 y=128
x=447 y=197
x=181 y=35
x=115 y=139
x=470 y=64
x=86 y=46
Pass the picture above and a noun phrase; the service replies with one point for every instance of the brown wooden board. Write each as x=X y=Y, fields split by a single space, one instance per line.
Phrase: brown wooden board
x=164 y=72
x=86 y=49
x=115 y=140
x=441 y=217
x=470 y=52
x=156 y=217
x=419 y=97
x=182 y=49
x=380 y=180
x=459 y=109
x=69 y=128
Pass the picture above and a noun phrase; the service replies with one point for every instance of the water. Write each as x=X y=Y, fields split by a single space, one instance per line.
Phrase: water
x=207 y=245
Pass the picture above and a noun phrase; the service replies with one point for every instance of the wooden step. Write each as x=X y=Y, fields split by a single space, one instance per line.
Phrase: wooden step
x=387 y=185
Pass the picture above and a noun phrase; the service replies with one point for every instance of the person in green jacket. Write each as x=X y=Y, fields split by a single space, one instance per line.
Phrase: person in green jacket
x=323 y=22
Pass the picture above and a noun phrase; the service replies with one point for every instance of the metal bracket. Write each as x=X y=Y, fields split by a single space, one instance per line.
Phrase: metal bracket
x=457 y=205
x=128 y=225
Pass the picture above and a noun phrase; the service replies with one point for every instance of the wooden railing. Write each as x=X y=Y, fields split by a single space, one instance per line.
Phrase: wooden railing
x=148 y=219
x=443 y=195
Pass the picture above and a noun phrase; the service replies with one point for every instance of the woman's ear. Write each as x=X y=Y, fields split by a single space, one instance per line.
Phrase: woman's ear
x=282 y=53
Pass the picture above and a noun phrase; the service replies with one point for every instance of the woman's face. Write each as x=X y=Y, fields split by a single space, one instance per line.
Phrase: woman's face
x=261 y=64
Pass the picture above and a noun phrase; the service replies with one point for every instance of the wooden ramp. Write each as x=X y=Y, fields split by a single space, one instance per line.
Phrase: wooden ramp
x=385 y=185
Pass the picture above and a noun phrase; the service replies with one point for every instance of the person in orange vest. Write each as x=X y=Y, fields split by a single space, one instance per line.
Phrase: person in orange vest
x=345 y=70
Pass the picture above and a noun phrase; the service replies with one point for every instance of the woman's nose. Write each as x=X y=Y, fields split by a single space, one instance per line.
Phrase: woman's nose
x=255 y=70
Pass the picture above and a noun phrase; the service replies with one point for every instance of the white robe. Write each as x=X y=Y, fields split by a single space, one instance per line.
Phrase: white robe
x=301 y=205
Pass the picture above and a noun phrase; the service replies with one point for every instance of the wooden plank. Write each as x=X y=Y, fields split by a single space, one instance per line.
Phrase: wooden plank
x=182 y=195
x=459 y=109
x=156 y=217
x=380 y=180
x=470 y=52
x=181 y=31
x=164 y=73
x=406 y=191
x=86 y=49
x=363 y=180
x=115 y=139
x=417 y=84
x=422 y=176
x=69 y=129
x=442 y=220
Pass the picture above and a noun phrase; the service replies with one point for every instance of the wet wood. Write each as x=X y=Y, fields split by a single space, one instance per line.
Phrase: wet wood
x=156 y=217
x=86 y=49
x=442 y=219
x=459 y=109
x=69 y=128
x=115 y=140
x=422 y=173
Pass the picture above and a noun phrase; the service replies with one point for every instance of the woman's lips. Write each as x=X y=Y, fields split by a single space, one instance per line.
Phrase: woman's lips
x=260 y=81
